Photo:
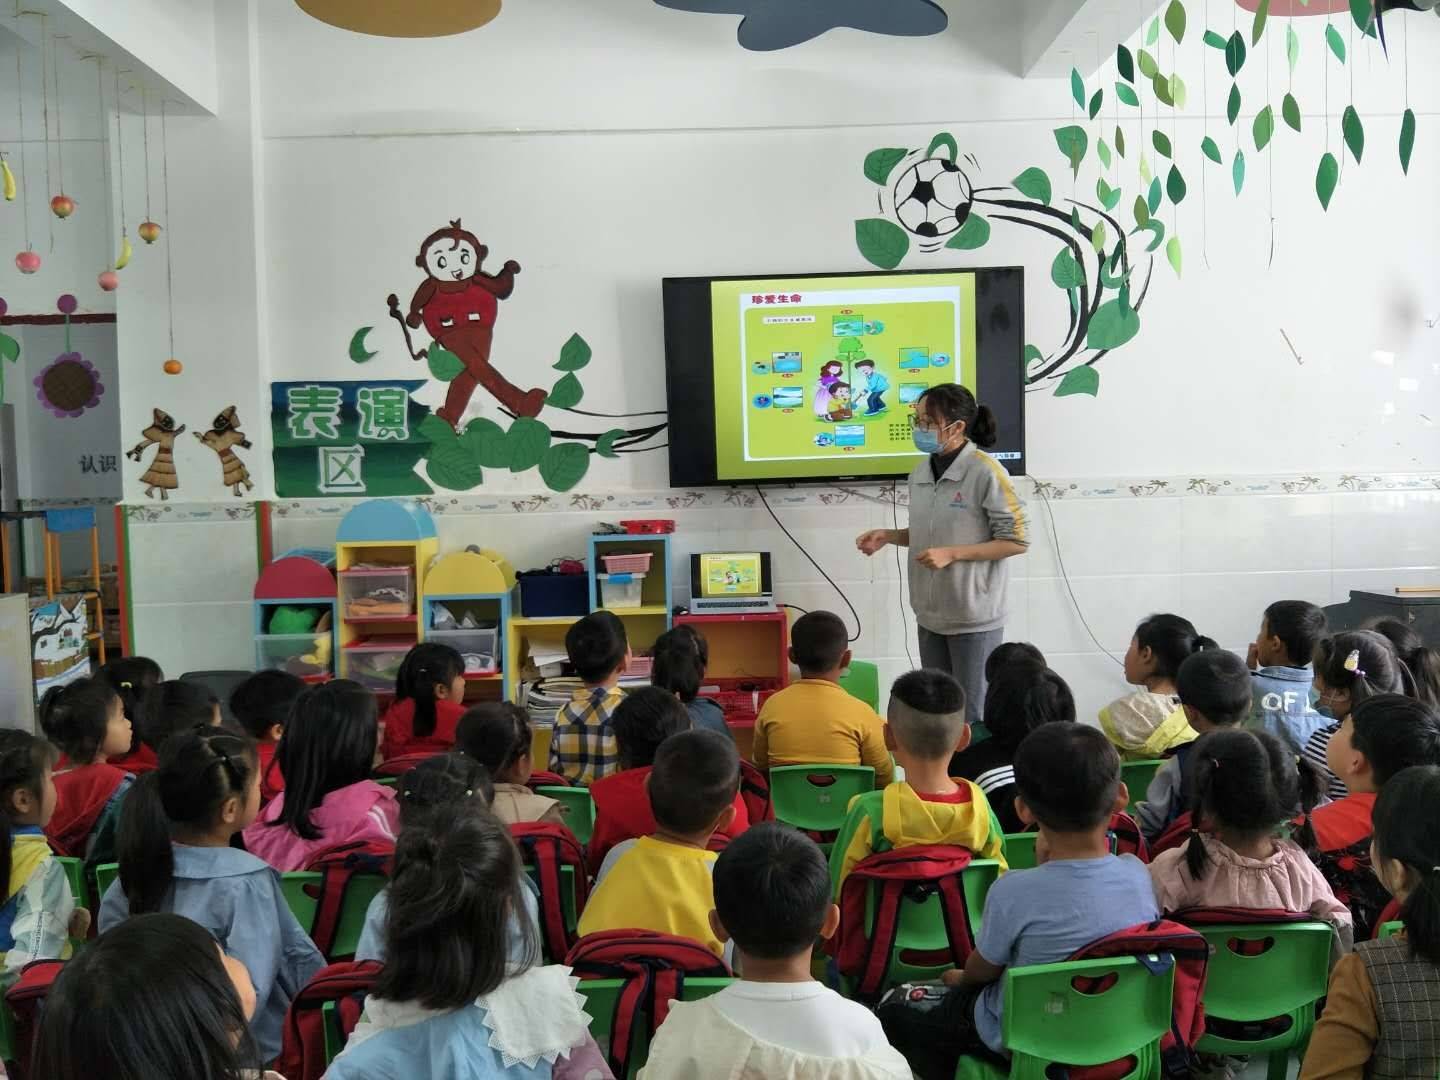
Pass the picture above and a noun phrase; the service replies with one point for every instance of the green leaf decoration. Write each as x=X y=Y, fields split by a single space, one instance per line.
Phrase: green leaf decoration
x=1120 y=140
x=1096 y=100
x=1148 y=67
x=435 y=430
x=1114 y=324
x=879 y=164
x=564 y=465
x=1336 y=42
x=1144 y=168
x=1108 y=278
x=452 y=466
x=1363 y=12
x=1126 y=94
x=567 y=392
x=1098 y=238
x=574 y=354
x=1237 y=170
x=1174 y=254
x=1210 y=149
x=944 y=141
x=1125 y=63
x=1257 y=28
x=1077 y=87
x=1179 y=94
x=973 y=234
x=1162 y=143
x=1156 y=228
x=1214 y=40
x=1066 y=271
x=1109 y=197
x=358 y=352
x=1102 y=151
x=1033 y=184
x=1075 y=221
x=1175 y=185
x=487 y=443
x=1354 y=132
x=529 y=439
x=444 y=364
x=1152 y=198
x=1081 y=380
x=1326 y=177
x=1175 y=20
x=1235 y=53
x=10 y=350
x=1407 y=140
x=881 y=242
x=1142 y=212
x=1032 y=356
x=1290 y=110
x=1152 y=32
x=1264 y=127
x=1073 y=142
x=1292 y=48
x=1232 y=107
x=605 y=446
x=1161 y=85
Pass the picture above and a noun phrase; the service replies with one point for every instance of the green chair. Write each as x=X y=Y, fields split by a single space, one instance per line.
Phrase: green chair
x=1020 y=850
x=362 y=889
x=602 y=996
x=1137 y=776
x=815 y=798
x=1390 y=929
x=579 y=809
x=1283 y=981
x=569 y=905
x=388 y=781
x=1048 y=1020
x=862 y=681
x=105 y=875
x=301 y=904
x=334 y=1037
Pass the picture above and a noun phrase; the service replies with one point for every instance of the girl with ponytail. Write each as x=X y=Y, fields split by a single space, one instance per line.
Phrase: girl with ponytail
x=1349 y=668
x=86 y=720
x=429 y=701
x=1422 y=661
x=133 y=677
x=175 y=856
x=1151 y=721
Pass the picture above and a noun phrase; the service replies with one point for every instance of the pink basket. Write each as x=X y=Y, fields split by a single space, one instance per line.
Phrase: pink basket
x=640 y=666
x=627 y=564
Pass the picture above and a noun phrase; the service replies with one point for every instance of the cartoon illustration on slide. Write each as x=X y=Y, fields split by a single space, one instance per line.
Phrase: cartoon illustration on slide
x=869 y=388
x=839 y=408
x=830 y=373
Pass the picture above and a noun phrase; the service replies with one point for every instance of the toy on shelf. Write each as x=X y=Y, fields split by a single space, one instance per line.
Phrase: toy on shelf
x=468 y=601
x=295 y=617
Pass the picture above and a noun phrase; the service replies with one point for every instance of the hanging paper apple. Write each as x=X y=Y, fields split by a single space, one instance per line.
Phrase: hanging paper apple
x=62 y=205
x=109 y=280
x=149 y=231
x=27 y=262
x=173 y=366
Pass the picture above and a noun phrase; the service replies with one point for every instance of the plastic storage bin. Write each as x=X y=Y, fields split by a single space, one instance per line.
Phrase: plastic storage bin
x=287 y=652
x=633 y=563
x=620 y=591
x=477 y=647
x=375 y=662
x=546 y=596
x=375 y=594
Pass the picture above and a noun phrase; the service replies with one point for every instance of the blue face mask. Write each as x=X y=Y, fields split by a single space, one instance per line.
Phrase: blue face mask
x=926 y=441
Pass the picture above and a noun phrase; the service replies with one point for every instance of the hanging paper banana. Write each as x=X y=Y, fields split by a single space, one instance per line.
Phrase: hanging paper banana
x=125 y=252
x=9 y=180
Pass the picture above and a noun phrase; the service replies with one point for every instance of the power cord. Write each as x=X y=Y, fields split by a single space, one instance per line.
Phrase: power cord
x=1064 y=574
x=818 y=568
x=900 y=573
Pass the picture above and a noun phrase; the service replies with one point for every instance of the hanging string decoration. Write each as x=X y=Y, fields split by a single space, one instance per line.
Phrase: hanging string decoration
x=149 y=231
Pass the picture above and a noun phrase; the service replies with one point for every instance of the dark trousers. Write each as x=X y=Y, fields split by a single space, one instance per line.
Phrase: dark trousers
x=932 y=1025
x=962 y=655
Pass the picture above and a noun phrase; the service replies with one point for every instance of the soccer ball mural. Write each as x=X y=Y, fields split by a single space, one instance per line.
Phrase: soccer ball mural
x=932 y=198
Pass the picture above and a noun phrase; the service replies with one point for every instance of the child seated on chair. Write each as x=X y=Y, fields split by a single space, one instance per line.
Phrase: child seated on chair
x=1068 y=776
x=429 y=701
x=927 y=721
x=1145 y=724
x=1214 y=690
x=262 y=705
x=772 y=899
x=814 y=721
x=644 y=720
x=497 y=735
x=681 y=657
x=176 y=706
x=662 y=881
x=1283 y=691
x=582 y=748
x=134 y=677
x=86 y=720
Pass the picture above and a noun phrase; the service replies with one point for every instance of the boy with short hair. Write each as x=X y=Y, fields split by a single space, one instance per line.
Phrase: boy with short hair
x=926 y=719
x=262 y=704
x=662 y=881
x=772 y=899
x=582 y=748
x=1214 y=690
x=1283 y=691
x=814 y=721
x=1068 y=776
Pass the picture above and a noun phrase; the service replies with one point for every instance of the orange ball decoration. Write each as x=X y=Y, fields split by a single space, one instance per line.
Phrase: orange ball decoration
x=173 y=366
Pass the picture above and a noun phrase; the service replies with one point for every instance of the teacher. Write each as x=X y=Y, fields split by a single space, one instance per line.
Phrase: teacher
x=965 y=521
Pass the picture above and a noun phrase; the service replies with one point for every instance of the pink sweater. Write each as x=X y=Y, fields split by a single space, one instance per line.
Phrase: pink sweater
x=362 y=811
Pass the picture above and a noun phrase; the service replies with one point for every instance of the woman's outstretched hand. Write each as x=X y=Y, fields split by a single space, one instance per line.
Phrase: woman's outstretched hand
x=874 y=540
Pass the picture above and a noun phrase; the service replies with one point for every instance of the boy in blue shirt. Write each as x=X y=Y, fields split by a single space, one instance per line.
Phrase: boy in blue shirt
x=1280 y=670
x=870 y=388
x=1068 y=779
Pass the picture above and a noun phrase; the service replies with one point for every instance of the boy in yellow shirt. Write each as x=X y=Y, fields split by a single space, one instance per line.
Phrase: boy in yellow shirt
x=662 y=881
x=927 y=722
x=814 y=721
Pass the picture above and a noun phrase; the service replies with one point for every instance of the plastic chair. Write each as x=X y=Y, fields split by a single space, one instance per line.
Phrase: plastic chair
x=922 y=948
x=1389 y=929
x=105 y=874
x=1137 y=776
x=862 y=681
x=579 y=809
x=1280 y=983
x=568 y=905
x=301 y=904
x=1048 y=1020
x=815 y=798
x=602 y=996
x=1020 y=850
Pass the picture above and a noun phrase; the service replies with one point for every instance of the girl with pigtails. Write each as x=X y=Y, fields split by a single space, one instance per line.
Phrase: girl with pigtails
x=1349 y=668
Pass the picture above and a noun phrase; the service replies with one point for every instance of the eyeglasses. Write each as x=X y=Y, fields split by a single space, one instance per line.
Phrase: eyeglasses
x=929 y=425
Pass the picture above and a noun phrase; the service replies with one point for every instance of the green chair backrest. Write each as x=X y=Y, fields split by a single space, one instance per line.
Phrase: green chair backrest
x=579 y=809
x=1292 y=973
x=920 y=925
x=862 y=681
x=388 y=781
x=75 y=875
x=1390 y=929
x=105 y=874
x=1020 y=850
x=1137 y=776
x=301 y=904
x=568 y=904
x=602 y=996
x=362 y=889
x=816 y=797
x=330 y=1025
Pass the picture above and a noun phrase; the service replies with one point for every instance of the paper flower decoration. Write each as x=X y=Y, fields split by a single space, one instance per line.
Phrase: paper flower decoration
x=69 y=385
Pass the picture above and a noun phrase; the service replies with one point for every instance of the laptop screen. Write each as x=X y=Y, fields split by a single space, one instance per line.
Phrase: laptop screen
x=730 y=574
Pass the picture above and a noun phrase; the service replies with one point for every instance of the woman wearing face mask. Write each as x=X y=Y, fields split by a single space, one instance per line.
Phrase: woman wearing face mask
x=965 y=521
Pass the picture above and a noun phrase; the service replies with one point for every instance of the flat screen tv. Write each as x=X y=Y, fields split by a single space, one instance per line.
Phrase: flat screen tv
x=813 y=378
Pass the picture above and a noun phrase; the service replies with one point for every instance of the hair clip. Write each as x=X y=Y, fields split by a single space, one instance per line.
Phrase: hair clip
x=127 y=686
x=1352 y=664
x=1214 y=763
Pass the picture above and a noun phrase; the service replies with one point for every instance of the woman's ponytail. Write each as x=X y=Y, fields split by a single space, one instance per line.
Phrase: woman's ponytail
x=147 y=862
x=984 y=430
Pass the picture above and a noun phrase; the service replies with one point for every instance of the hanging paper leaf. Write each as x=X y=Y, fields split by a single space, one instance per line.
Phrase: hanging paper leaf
x=1290 y=110
x=1108 y=278
x=574 y=354
x=1326 y=177
x=567 y=392
x=1232 y=107
x=1292 y=48
x=1152 y=198
x=879 y=164
x=605 y=445
x=1114 y=323
x=1125 y=63
x=1144 y=168
x=881 y=242
x=1148 y=67
x=973 y=234
x=444 y=364
x=1175 y=185
x=1152 y=32
x=1235 y=54
x=1098 y=238
x=1077 y=87
x=1033 y=184
x=564 y=465
x=1173 y=253
x=1156 y=228
x=1073 y=142
x=1066 y=271
x=1081 y=380
x=1262 y=12
x=1162 y=143
x=1161 y=85
x=1354 y=132
x=1363 y=12
x=1142 y=212
x=1237 y=171
x=1214 y=40
x=1126 y=93
x=1407 y=140
x=1075 y=221
x=1120 y=141
x=1210 y=149
x=1102 y=151
x=1096 y=100
x=1336 y=42
x=1264 y=127
x=1109 y=197
x=1175 y=20
x=1178 y=93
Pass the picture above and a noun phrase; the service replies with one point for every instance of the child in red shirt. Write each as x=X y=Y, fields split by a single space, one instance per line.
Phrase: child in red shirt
x=132 y=677
x=262 y=705
x=86 y=720
x=429 y=701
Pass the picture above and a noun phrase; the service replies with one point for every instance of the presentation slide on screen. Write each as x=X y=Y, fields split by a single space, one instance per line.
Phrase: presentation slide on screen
x=730 y=574
x=819 y=376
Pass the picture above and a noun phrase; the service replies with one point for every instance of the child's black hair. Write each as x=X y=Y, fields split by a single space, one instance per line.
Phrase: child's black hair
x=426 y=666
x=496 y=734
x=1377 y=670
x=23 y=761
x=1216 y=684
x=1069 y=776
x=1407 y=831
x=818 y=642
x=1012 y=652
x=1299 y=625
x=1171 y=640
x=1020 y=698
x=74 y=717
x=772 y=891
x=175 y=706
x=1245 y=781
x=1395 y=732
x=455 y=888
x=953 y=402
x=444 y=780
x=1423 y=661
x=596 y=646
x=695 y=777
x=680 y=657
x=329 y=744
x=133 y=677
x=148 y=998
x=198 y=771
x=929 y=691
x=645 y=719
x=264 y=700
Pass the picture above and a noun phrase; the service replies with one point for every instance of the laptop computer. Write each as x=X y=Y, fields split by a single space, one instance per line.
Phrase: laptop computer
x=730 y=583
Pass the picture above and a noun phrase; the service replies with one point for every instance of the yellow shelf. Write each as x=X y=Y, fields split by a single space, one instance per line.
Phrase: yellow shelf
x=548 y=620
x=648 y=609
